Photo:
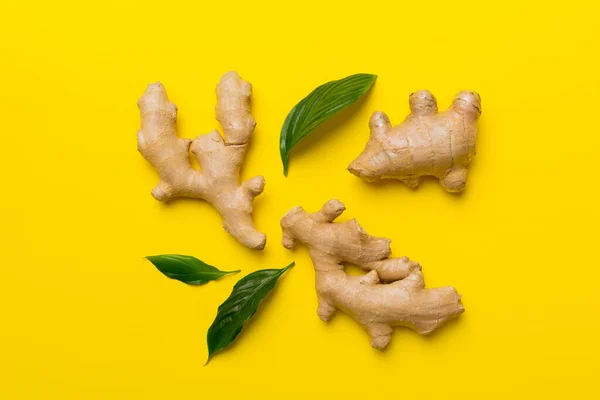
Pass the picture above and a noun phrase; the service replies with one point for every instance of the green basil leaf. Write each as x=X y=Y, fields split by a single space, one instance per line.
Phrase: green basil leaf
x=320 y=105
x=240 y=307
x=186 y=269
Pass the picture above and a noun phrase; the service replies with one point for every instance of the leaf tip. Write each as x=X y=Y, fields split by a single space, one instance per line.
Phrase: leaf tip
x=151 y=259
x=284 y=161
x=289 y=266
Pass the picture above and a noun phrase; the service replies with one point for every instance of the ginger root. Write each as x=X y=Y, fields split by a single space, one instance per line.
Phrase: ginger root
x=376 y=306
x=220 y=160
x=426 y=143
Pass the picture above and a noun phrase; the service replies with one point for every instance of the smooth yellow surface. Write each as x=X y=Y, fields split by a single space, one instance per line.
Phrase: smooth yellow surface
x=84 y=316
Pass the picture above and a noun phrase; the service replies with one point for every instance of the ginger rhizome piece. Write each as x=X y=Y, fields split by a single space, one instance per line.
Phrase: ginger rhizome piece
x=220 y=159
x=426 y=143
x=377 y=306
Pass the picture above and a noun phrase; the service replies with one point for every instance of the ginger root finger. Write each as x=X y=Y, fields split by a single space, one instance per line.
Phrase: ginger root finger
x=378 y=307
x=426 y=143
x=220 y=159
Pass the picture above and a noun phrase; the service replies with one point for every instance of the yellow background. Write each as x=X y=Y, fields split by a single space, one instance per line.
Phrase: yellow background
x=84 y=316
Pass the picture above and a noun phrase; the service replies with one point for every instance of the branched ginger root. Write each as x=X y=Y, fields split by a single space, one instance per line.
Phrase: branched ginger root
x=220 y=159
x=376 y=306
x=426 y=143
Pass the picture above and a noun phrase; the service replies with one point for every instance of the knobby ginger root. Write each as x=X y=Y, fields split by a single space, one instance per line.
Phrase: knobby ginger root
x=220 y=159
x=376 y=306
x=426 y=143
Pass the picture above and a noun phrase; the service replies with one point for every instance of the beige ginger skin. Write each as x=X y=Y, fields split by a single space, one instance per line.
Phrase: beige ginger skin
x=426 y=143
x=377 y=306
x=220 y=159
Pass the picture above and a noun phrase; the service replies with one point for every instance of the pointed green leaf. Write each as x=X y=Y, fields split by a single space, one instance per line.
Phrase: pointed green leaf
x=186 y=269
x=320 y=105
x=240 y=307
